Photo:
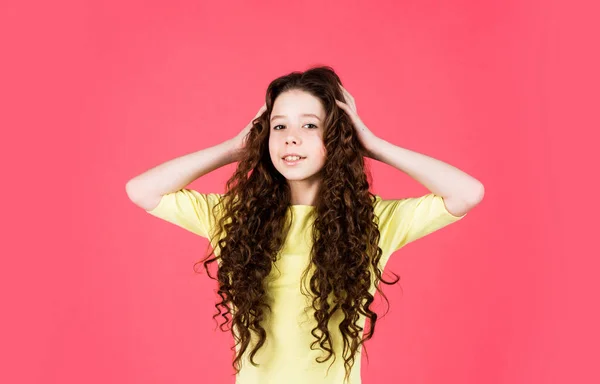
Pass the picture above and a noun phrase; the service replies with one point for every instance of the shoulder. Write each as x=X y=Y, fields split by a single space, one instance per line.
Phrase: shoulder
x=427 y=206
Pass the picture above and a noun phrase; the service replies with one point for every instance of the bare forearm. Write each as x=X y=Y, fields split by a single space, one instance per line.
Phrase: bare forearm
x=437 y=176
x=177 y=173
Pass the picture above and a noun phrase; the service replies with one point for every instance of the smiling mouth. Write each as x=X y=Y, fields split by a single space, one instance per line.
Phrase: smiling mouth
x=293 y=161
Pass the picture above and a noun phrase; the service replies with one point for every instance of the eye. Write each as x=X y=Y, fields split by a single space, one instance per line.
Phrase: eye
x=275 y=127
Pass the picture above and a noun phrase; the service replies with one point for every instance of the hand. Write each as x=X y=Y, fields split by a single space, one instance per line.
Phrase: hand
x=365 y=136
x=239 y=141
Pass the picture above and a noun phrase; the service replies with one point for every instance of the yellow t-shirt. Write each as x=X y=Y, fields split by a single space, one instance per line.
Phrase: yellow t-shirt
x=286 y=356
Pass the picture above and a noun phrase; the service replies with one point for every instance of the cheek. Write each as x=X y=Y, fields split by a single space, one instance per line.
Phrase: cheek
x=323 y=151
x=271 y=147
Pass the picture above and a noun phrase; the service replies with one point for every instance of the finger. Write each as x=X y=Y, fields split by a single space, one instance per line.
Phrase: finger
x=347 y=93
x=341 y=104
x=349 y=98
x=350 y=104
x=345 y=107
x=344 y=92
x=261 y=110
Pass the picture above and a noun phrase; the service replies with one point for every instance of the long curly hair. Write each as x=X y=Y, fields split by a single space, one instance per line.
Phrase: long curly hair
x=345 y=254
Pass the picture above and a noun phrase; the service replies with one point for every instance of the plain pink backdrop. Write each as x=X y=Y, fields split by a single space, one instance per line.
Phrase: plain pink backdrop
x=95 y=290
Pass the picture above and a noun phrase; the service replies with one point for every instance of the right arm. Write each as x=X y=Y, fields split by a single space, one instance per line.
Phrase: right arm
x=147 y=189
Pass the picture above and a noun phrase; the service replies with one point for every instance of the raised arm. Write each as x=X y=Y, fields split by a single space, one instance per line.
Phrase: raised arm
x=460 y=191
x=147 y=189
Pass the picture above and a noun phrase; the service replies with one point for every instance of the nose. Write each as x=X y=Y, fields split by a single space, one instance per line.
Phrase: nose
x=292 y=139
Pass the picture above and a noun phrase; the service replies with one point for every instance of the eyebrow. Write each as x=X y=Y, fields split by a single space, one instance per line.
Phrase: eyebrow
x=304 y=114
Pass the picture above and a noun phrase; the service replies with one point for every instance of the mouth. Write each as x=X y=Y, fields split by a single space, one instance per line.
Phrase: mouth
x=293 y=162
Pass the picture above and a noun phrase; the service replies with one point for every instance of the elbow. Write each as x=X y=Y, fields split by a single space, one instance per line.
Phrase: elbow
x=129 y=190
x=141 y=199
x=477 y=194
x=133 y=192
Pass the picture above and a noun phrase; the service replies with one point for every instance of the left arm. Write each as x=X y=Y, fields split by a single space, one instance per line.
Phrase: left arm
x=460 y=191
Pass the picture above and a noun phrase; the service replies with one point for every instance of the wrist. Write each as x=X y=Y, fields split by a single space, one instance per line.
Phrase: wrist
x=232 y=151
x=372 y=147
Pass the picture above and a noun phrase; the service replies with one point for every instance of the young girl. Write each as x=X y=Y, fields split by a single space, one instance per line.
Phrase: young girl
x=300 y=240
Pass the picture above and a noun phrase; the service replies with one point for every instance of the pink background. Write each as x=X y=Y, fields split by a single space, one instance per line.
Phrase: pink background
x=94 y=290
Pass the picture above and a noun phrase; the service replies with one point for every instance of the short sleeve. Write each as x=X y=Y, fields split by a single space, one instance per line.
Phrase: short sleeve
x=405 y=220
x=189 y=209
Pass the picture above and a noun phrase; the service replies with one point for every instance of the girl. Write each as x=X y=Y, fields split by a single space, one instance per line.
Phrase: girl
x=300 y=241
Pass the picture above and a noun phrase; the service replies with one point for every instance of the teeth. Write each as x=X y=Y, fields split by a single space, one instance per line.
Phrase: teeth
x=292 y=158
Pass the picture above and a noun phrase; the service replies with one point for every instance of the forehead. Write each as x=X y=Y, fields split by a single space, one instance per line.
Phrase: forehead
x=296 y=102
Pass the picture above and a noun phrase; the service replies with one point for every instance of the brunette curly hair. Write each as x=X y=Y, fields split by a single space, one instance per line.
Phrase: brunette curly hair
x=345 y=254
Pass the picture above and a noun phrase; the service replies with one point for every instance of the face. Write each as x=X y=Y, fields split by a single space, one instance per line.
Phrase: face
x=294 y=129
